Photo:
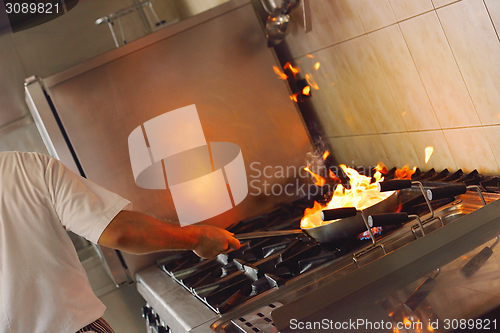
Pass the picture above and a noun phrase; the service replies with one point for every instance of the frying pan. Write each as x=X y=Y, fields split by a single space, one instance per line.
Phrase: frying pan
x=348 y=222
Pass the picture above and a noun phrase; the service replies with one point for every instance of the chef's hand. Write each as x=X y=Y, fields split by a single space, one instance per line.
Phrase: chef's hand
x=213 y=240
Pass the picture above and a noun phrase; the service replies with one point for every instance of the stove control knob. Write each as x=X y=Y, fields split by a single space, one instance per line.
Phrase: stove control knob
x=151 y=319
x=145 y=311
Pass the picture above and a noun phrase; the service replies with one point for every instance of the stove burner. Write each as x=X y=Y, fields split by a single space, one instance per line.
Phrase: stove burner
x=261 y=265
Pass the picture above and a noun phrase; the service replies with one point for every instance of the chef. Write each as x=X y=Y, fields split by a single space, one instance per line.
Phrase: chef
x=43 y=286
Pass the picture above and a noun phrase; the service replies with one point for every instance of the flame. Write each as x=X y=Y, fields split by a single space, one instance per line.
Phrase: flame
x=306 y=91
x=309 y=56
x=294 y=97
x=292 y=69
x=318 y=180
x=428 y=153
x=325 y=155
x=361 y=195
x=316 y=66
x=365 y=235
x=404 y=173
x=382 y=168
x=311 y=82
x=407 y=322
x=332 y=175
x=280 y=73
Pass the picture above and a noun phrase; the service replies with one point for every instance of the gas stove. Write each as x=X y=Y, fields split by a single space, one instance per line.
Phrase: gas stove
x=286 y=283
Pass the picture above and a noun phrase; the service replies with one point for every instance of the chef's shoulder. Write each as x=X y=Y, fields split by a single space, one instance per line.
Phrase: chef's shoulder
x=28 y=161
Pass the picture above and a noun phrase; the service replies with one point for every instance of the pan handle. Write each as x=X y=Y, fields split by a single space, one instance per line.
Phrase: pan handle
x=338 y=213
x=478 y=260
x=379 y=220
x=396 y=184
x=446 y=191
x=421 y=292
x=267 y=234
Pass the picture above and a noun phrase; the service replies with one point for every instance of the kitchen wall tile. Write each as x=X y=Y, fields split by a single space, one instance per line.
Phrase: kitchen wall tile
x=493 y=7
x=345 y=93
x=332 y=21
x=471 y=150
x=439 y=72
x=345 y=99
x=298 y=42
x=409 y=8
x=344 y=151
x=475 y=46
x=441 y=157
x=493 y=135
x=441 y=3
x=380 y=103
x=323 y=100
x=371 y=151
x=356 y=151
x=330 y=123
x=399 y=150
x=404 y=82
x=375 y=14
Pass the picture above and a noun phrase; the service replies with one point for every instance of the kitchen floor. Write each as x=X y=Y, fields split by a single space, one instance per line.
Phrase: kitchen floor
x=123 y=305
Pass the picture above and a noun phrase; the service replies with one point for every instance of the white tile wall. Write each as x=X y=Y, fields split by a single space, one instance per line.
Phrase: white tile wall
x=493 y=7
x=476 y=48
x=471 y=149
x=439 y=72
x=493 y=135
x=441 y=157
x=404 y=81
x=400 y=151
x=441 y=3
x=372 y=85
x=375 y=14
x=437 y=68
x=404 y=9
x=334 y=21
x=359 y=150
x=420 y=73
x=367 y=147
x=348 y=106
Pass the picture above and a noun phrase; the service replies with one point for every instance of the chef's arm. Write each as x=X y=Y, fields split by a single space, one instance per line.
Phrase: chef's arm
x=138 y=233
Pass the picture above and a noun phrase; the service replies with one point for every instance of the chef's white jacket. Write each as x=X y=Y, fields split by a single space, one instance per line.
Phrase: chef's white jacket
x=43 y=286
